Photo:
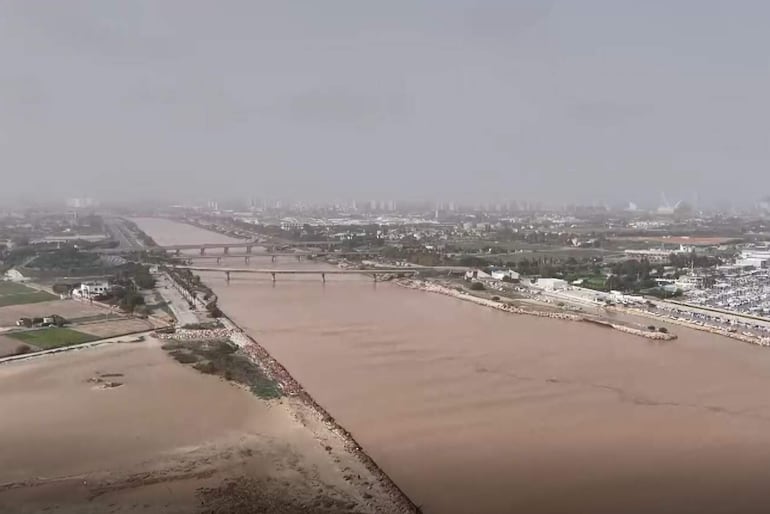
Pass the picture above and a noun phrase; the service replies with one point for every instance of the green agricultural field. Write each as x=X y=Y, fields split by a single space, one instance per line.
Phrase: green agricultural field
x=17 y=294
x=54 y=337
x=13 y=288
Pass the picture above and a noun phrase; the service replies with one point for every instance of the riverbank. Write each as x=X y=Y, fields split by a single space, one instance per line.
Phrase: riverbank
x=382 y=492
x=315 y=415
x=431 y=287
x=755 y=340
x=146 y=434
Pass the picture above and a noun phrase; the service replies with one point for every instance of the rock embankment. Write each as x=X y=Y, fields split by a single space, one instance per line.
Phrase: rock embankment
x=185 y=334
x=750 y=339
x=273 y=370
x=289 y=386
x=431 y=287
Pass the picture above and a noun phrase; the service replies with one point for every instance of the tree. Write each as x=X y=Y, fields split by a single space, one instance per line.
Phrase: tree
x=131 y=300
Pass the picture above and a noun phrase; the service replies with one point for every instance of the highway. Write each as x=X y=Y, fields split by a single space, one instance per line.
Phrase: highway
x=120 y=233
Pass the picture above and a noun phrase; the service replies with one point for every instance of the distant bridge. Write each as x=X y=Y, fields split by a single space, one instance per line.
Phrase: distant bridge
x=274 y=255
x=248 y=245
x=323 y=272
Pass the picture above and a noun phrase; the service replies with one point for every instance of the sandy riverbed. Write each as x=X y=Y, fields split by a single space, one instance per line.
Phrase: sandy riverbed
x=164 y=438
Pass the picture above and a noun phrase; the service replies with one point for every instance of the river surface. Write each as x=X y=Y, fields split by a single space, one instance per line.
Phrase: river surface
x=472 y=410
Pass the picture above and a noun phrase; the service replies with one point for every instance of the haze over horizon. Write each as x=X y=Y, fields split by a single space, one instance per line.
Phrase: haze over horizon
x=472 y=101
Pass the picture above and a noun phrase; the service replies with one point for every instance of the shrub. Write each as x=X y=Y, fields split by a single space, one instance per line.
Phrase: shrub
x=477 y=286
x=663 y=330
x=206 y=367
x=495 y=298
x=651 y=327
x=183 y=357
x=22 y=349
x=61 y=288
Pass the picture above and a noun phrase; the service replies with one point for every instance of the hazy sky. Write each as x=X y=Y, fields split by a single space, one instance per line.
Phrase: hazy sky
x=612 y=100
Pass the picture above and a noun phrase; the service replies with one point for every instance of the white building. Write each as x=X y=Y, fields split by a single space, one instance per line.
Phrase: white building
x=657 y=254
x=476 y=274
x=625 y=299
x=756 y=258
x=551 y=284
x=89 y=290
x=692 y=281
x=502 y=274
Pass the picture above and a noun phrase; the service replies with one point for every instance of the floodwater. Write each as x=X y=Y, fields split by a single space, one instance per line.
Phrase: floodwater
x=474 y=410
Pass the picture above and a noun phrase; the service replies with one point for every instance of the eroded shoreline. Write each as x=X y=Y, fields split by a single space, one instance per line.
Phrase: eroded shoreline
x=291 y=387
x=431 y=287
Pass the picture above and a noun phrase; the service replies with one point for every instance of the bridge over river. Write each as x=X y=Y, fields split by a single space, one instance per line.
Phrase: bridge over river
x=248 y=245
x=275 y=255
x=374 y=272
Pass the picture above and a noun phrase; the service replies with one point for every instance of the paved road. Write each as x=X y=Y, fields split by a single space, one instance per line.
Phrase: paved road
x=176 y=302
x=120 y=233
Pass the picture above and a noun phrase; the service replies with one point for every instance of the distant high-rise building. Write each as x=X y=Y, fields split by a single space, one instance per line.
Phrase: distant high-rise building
x=81 y=203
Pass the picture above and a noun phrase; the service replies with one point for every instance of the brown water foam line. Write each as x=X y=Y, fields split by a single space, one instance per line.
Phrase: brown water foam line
x=289 y=385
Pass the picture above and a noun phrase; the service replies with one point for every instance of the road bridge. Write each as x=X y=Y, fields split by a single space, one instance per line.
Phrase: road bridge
x=299 y=256
x=248 y=245
x=374 y=272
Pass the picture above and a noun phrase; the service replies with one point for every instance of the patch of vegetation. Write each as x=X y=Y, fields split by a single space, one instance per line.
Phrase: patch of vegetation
x=135 y=276
x=68 y=258
x=207 y=367
x=25 y=298
x=131 y=301
x=214 y=310
x=54 y=337
x=247 y=495
x=22 y=349
x=663 y=293
x=477 y=286
x=225 y=360
x=597 y=282
x=183 y=356
x=209 y=325
x=13 y=288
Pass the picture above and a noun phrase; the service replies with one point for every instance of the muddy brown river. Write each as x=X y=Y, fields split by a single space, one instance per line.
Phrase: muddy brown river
x=471 y=410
